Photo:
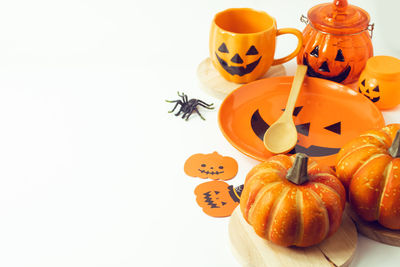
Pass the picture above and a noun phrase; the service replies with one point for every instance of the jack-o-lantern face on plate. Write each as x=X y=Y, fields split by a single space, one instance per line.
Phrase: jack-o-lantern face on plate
x=370 y=90
x=217 y=198
x=236 y=65
x=260 y=126
x=326 y=116
x=213 y=166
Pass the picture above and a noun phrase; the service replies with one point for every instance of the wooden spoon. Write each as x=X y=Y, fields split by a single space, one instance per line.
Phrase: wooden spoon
x=281 y=136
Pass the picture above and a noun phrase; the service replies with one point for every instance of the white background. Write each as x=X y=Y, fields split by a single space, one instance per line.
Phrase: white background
x=91 y=163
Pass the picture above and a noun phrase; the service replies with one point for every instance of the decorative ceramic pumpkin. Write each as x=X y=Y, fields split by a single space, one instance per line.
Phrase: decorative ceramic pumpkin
x=217 y=198
x=292 y=201
x=336 y=42
x=213 y=166
x=380 y=80
x=370 y=167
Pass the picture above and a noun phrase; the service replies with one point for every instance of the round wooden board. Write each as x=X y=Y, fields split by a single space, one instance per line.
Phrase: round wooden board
x=252 y=250
x=214 y=84
x=374 y=230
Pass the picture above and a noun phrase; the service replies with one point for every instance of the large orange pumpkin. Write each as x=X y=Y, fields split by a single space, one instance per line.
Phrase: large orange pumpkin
x=370 y=167
x=291 y=202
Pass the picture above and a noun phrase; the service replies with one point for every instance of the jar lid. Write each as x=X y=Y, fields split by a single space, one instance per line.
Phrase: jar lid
x=339 y=18
x=385 y=67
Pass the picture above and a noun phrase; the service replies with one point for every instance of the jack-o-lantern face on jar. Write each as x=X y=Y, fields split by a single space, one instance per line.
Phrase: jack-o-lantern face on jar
x=333 y=59
x=370 y=89
x=335 y=70
x=336 y=41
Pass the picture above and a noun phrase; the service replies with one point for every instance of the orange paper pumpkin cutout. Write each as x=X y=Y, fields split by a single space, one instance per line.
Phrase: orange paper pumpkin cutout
x=213 y=166
x=369 y=166
x=217 y=198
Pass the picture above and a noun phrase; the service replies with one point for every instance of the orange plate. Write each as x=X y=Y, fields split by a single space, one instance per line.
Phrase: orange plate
x=327 y=115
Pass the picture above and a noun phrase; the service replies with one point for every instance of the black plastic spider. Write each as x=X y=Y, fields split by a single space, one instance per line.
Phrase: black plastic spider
x=188 y=106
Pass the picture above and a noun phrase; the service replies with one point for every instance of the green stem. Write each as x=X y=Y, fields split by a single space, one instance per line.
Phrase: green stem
x=394 y=149
x=298 y=173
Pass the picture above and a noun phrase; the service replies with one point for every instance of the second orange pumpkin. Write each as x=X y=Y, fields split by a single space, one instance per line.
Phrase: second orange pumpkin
x=370 y=167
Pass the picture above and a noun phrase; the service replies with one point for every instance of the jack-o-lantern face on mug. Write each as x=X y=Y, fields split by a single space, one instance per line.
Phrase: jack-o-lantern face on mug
x=240 y=60
x=236 y=65
x=370 y=90
x=242 y=44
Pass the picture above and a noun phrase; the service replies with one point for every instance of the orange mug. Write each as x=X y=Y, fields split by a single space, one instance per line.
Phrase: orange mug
x=242 y=44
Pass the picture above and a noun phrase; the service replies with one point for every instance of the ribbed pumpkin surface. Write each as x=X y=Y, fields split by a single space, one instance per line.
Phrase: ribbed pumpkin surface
x=289 y=214
x=372 y=175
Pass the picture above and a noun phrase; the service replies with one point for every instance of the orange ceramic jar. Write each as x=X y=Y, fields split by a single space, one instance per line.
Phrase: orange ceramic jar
x=336 y=42
x=380 y=81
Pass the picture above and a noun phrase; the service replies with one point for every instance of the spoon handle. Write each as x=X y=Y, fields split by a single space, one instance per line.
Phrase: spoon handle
x=294 y=91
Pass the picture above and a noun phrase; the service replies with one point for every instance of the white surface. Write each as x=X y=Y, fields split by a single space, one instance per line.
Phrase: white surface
x=91 y=163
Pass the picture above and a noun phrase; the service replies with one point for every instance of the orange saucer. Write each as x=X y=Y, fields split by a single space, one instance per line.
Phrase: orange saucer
x=327 y=115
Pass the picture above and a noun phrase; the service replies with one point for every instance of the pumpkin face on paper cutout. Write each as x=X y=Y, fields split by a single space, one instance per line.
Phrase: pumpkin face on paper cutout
x=236 y=64
x=338 y=59
x=370 y=90
x=217 y=198
x=213 y=166
x=332 y=128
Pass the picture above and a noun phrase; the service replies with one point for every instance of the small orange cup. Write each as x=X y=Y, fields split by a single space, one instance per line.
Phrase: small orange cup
x=242 y=44
x=380 y=81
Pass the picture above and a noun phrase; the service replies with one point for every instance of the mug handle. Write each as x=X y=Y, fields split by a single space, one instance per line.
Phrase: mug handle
x=299 y=36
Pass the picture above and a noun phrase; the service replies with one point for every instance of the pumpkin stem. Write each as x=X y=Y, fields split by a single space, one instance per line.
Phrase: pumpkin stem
x=394 y=149
x=298 y=173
